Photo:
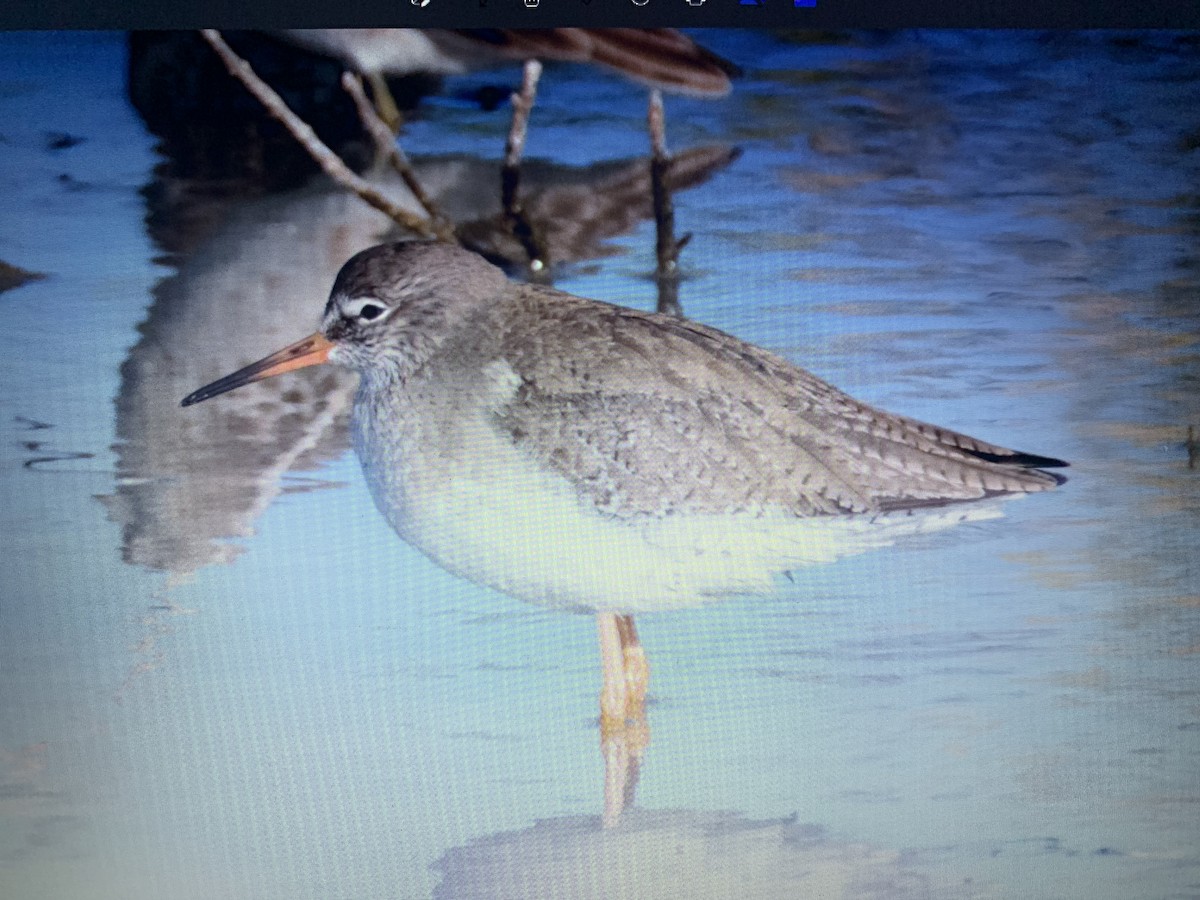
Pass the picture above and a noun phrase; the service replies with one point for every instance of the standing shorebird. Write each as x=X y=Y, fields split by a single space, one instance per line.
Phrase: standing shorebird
x=577 y=454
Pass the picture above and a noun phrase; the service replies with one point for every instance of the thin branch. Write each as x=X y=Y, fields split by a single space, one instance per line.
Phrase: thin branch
x=522 y=106
x=382 y=136
x=665 y=246
x=387 y=148
x=510 y=175
x=329 y=161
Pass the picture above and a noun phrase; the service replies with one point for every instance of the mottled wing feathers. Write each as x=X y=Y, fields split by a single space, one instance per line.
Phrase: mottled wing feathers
x=645 y=413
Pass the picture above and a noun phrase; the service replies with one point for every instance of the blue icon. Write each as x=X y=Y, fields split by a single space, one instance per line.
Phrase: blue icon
x=751 y=2
x=808 y=3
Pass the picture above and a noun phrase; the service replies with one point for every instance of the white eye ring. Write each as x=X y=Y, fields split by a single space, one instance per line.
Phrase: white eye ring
x=366 y=309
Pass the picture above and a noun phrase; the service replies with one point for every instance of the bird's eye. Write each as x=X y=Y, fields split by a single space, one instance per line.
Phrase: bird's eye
x=370 y=311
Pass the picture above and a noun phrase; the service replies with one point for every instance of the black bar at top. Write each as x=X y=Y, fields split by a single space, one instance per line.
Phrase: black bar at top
x=123 y=14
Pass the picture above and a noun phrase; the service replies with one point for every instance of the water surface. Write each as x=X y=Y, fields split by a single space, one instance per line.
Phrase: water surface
x=223 y=675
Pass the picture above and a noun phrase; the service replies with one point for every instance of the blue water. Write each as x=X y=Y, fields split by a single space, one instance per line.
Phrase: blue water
x=224 y=676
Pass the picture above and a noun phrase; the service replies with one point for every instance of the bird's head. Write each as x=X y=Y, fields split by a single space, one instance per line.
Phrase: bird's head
x=390 y=307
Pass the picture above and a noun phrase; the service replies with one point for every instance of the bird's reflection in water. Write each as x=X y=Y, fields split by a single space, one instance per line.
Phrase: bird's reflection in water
x=699 y=855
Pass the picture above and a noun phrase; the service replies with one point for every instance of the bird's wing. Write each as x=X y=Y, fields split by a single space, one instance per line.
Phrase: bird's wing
x=643 y=412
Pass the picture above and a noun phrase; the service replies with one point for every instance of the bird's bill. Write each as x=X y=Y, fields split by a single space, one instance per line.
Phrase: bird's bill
x=311 y=351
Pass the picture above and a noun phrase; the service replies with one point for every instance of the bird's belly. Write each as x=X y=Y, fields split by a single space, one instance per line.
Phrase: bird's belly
x=484 y=510
x=491 y=515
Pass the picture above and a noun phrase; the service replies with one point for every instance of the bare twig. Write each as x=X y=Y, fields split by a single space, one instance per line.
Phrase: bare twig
x=666 y=247
x=387 y=147
x=510 y=175
x=522 y=106
x=384 y=139
x=329 y=161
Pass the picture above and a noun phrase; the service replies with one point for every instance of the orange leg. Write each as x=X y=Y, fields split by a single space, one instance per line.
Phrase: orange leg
x=613 y=692
x=626 y=672
x=624 y=734
x=637 y=669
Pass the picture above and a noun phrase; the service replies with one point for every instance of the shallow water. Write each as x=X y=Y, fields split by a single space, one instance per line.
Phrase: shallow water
x=224 y=676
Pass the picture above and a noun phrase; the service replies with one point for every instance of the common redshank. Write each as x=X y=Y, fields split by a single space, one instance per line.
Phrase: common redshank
x=577 y=454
